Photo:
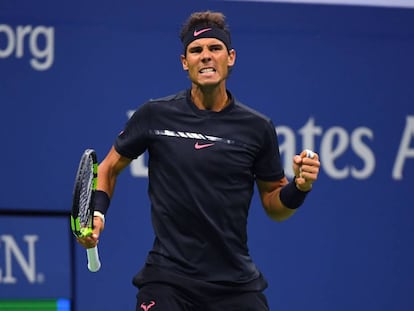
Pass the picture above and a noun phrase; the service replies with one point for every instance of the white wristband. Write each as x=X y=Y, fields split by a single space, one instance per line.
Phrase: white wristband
x=100 y=215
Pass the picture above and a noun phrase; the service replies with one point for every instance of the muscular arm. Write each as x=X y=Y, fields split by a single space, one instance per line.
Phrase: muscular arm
x=306 y=171
x=269 y=195
x=109 y=169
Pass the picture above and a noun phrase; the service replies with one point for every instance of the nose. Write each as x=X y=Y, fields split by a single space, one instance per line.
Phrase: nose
x=205 y=55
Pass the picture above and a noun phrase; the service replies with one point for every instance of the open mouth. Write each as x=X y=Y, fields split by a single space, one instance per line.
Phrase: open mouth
x=207 y=70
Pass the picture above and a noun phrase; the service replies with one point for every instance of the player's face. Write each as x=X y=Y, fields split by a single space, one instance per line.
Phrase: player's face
x=208 y=61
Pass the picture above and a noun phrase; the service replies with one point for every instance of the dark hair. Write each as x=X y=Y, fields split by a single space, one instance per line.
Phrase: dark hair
x=204 y=19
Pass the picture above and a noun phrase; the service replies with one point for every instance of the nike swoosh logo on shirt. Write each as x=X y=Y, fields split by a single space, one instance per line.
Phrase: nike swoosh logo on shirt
x=199 y=32
x=201 y=146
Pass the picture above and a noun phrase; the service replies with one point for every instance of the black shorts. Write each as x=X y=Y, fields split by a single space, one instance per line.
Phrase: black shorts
x=161 y=290
x=166 y=297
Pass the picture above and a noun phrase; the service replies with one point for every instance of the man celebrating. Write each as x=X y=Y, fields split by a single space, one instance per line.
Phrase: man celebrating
x=206 y=152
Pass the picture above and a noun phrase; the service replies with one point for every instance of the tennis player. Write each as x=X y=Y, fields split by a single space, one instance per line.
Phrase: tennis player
x=206 y=152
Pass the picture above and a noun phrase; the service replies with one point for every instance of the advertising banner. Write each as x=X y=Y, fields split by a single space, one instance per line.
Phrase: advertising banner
x=35 y=261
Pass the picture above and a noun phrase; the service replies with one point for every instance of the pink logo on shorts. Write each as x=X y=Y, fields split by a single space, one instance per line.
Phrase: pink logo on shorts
x=147 y=307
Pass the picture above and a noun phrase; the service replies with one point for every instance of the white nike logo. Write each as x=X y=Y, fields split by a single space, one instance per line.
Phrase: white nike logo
x=201 y=146
x=199 y=32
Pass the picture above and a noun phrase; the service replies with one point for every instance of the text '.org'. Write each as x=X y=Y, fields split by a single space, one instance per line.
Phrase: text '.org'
x=38 y=41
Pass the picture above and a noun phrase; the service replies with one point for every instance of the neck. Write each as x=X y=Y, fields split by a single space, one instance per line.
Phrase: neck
x=215 y=99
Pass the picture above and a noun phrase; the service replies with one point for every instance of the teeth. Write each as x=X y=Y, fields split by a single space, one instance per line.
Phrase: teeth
x=207 y=70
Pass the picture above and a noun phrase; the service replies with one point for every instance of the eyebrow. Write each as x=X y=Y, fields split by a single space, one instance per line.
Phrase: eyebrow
x=209 y=46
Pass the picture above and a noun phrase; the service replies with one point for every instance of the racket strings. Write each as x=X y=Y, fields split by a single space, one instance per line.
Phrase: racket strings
x=85 y=196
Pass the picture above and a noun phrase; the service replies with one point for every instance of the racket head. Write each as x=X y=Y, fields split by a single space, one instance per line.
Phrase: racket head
x=83 y=194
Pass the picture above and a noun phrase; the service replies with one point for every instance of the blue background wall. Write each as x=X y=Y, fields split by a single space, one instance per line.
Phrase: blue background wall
x=338 y=79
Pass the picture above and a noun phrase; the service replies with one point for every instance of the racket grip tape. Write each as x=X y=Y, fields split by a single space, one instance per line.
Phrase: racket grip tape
x=94 y=264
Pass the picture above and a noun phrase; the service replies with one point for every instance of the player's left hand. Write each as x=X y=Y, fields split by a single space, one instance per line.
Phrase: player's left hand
x=306 y=169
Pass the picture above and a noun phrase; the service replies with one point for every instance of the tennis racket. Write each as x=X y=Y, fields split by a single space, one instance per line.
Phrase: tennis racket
x=83 y=203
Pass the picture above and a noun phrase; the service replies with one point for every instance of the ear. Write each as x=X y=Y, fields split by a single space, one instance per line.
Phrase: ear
x=184 y=62
x=231 y=58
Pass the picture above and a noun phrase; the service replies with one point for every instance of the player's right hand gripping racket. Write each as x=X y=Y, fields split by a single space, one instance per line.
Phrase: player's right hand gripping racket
x=83 y=203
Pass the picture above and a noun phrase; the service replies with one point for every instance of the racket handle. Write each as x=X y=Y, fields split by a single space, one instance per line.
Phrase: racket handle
x=94 y=264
